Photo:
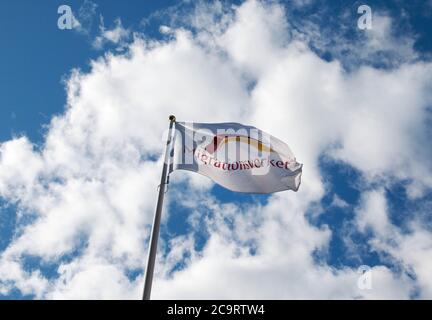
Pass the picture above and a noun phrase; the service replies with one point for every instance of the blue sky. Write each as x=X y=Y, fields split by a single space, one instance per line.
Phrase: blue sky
x=37 y=60
x=39 y=55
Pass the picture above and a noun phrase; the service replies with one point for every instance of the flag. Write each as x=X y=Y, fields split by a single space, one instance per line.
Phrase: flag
x=238 y=157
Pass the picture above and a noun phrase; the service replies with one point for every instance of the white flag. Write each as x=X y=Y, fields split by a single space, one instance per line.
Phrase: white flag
x=238 y=157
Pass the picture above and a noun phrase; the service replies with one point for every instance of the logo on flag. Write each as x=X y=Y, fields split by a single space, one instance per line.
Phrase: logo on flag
x=238 y=157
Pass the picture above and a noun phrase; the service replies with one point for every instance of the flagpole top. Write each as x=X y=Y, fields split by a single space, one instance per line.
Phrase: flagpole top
x=172 y=118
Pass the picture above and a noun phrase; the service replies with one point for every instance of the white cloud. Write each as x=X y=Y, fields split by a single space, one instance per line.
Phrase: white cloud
x=118 y=35
x=92 y=185
x=412 y=250
x=282 y=267
x=373 y=214
x=415 y=251
x=385 y=45
x=254 y=21
x=83 y=21
x=338 y=202
x=20 y=169
x=83 y=278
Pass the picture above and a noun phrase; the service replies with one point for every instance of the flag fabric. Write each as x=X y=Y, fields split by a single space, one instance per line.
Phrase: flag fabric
x=238 y=157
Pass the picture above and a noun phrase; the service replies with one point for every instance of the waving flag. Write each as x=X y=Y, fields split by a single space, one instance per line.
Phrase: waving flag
x=238 y=157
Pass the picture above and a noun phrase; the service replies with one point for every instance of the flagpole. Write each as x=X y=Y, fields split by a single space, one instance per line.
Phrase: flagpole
x=157 y=218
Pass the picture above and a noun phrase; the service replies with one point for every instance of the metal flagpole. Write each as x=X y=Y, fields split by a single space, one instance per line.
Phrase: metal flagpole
x=157 y=218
